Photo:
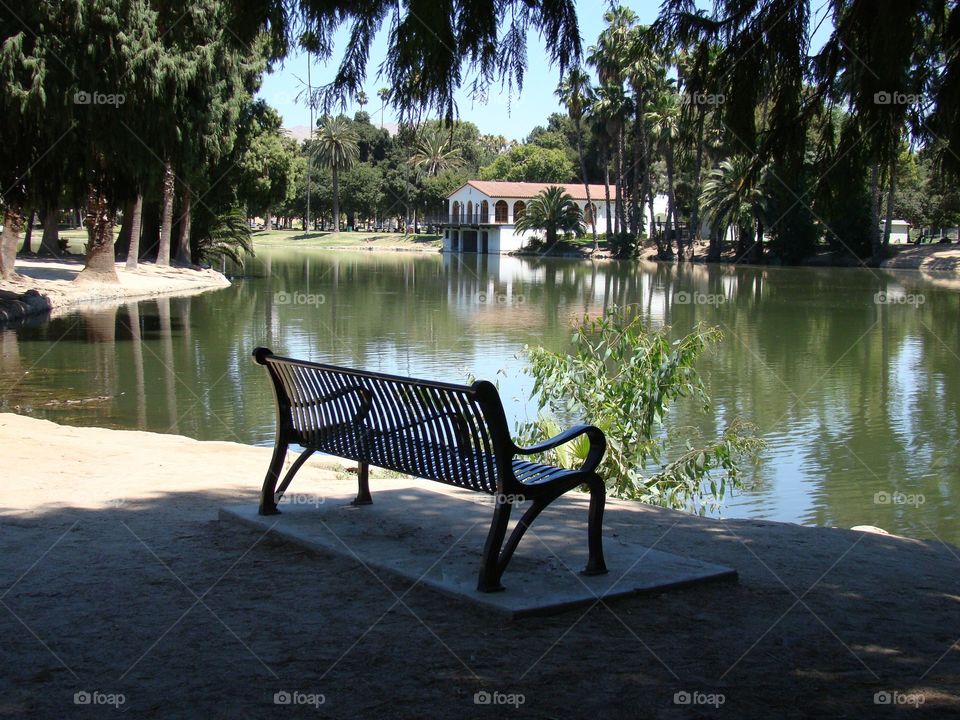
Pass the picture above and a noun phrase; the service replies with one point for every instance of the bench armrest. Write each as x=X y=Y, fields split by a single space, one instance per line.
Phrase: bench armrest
x=598 y=445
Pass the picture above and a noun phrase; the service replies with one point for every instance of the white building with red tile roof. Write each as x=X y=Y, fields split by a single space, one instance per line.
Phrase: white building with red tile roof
x=483 y=213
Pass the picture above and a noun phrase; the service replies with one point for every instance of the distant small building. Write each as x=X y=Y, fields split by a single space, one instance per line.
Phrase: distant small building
x=483 y=213
x=899 y=232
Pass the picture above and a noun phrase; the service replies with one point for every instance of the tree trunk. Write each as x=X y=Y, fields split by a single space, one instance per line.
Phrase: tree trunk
x=166 y=216
x=50 y=240
x=136 y=217
x=586 y=187
x=183 y=244
x=756 y=250
x=336 y=200
x=891 y=190
x=876 y=241
x=122 y=244
x=28 y=235
x=267 y=220
x=621 y=182
x=606 y=191
x=636 y=206
x=672 y=203
x=716 y=244
x=694 y=224
x=743 y=232
x=10 y=240
x=99 y=259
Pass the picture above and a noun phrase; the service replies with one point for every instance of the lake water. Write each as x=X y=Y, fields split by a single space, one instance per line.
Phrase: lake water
x=858 y=399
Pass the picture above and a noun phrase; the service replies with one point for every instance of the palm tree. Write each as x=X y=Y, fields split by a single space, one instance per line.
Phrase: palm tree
x=733 y=196
x=664 y=121
x=435 y=151
x=610 y=56
x=553 y=211
x=336 y=148
x=608 y=111
x=384 y=95
x=646 y=72
x=574 y=92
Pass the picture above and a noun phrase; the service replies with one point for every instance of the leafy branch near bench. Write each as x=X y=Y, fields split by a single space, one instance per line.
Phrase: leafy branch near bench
x=623 y=378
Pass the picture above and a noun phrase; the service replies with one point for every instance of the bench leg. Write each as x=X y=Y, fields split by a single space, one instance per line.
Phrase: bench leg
x=363 y=482
x=490 y=570
x=525 y=522
x=598 y=497
x=268 y=504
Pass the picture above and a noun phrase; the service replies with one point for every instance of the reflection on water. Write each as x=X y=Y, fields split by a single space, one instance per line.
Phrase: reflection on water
x=858 y=400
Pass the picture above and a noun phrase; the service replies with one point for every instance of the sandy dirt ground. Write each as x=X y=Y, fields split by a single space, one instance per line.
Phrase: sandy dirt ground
x=118 y=583
x=931 y=258
x=48 y=285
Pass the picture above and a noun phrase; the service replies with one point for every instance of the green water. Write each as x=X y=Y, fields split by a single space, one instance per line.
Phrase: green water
x=853 y=397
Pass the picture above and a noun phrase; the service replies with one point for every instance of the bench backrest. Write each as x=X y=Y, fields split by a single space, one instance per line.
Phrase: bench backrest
x=456 y=434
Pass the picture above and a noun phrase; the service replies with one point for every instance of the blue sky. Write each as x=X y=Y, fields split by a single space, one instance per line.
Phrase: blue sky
x=512 y=115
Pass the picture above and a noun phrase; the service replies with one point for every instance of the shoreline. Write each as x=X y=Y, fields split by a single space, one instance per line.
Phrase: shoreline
x=135 y=512
x=936 y=259
x=47 y=285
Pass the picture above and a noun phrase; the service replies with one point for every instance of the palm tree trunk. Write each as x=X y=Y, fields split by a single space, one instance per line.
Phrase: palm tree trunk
x=891 y=190
x=876 y=240
x=121 y=246
x=742 y=233
x=662 y=252
x=336 y=200
x=50 y=240
x=28 y=235
x=136 y=217
x=636 y=206
x=183 y=243
x=621 y=182
x=672 y=202
x=166 y=217
x=586 y=186
x=9 y=240
x=606 y=192
x=697 y=177
x=716 y=244
x=756 y=250
x=99 y=261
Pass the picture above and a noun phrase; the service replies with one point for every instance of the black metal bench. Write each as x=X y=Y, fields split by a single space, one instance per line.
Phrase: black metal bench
x=455 y=434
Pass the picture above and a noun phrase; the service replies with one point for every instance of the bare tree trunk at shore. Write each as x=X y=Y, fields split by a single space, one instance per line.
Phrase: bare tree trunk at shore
x=183 y=243
x=336 y=200
x=10 y=240
x=99 y=259
x=136 y=218
x=28 y=235
x=166 y=217
x=891 y=191
x=50 y=240
x=876 y=240
x=586 y=187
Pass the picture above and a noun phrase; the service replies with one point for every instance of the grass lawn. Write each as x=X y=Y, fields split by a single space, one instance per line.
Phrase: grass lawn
x=290 y=238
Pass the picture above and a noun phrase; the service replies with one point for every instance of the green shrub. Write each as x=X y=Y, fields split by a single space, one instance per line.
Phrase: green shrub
x=623 y=378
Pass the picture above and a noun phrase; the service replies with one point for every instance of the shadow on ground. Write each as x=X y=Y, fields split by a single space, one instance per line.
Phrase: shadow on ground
x=155 y=600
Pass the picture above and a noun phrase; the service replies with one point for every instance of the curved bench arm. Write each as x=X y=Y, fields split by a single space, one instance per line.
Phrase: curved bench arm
x=598 y=445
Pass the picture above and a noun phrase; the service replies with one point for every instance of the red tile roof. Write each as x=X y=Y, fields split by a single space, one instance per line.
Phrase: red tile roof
x=499 y=188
